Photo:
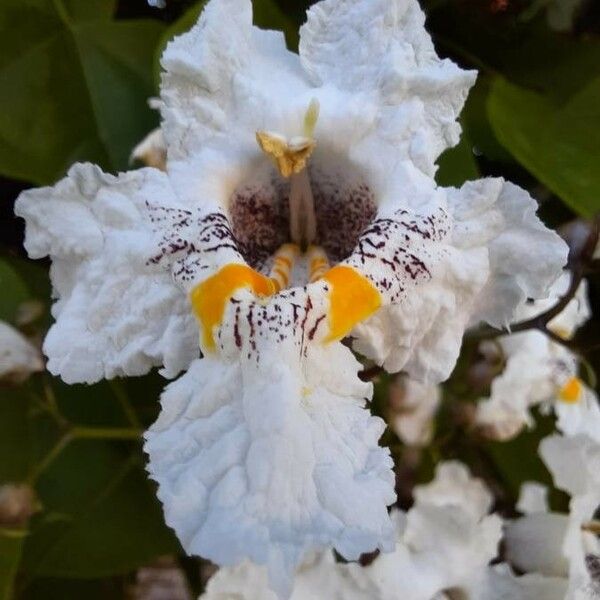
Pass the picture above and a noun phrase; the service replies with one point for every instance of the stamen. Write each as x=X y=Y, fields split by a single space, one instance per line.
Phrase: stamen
x=318 y=263
x=311 y=117
x=303 y=222
x=291 y=157
x=283 y=264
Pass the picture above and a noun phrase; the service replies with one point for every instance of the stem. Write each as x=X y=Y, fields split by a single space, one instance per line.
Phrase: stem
x=540 y=322
x=126 y=406
x=106 y=433
x=62 y=443
x=82 y=433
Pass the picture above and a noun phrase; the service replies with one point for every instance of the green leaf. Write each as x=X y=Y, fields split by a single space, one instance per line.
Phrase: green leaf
x=268 y=15
x=11 y=546
x=14 y=291
x=73 y=86
x=556 y=143
x=112 y=521
x=457 y=165
x=75 y=589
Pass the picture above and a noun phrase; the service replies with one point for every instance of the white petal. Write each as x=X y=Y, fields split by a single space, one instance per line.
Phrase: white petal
x=19 y=358
x=533 y=498
x=116 y=314
x=414 y=411
x=575 y=466
x=380 y=48
x=525 y=257
x=501 y=584
x=581 y=417
x=527 y=379
x=453 y=485
x=263 y=462
x=459 y=257
x=221 y=72
x=573 y=461
x=318 y=578
x=534 y=544
x=441 y=549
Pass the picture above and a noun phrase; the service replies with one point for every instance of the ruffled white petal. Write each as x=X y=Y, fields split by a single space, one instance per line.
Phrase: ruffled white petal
x=380 y=49
x=453 y=485
x=463 y=256
x=536 y=369
x=413 y=406
x=438 y=548
x=270 y=461
x=19 y=358
x=116 y=313
x=441 y=546
x=318 y=578
x=224 y=77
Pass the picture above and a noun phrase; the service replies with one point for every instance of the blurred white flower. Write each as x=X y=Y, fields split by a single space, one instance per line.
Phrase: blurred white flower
x=19 y=358
x=443 y=544
x=298 y=206
x=412 y=409
x=541 y=371
x=18 y=502
x=533 y=498
x=558 y=545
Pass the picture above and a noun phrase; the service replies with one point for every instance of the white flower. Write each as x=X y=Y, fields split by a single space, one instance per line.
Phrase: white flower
x=575 y=466
x=19 y=358
x=413 y=406
x=264 y=449
x=541 y=371
x=563 y=546
x=443 y=544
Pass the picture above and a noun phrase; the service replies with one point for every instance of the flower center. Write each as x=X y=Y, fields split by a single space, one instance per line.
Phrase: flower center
x=304 y=194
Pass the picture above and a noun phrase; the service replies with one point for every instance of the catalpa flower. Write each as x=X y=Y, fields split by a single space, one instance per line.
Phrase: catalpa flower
x=298 y=208
x=540 y=371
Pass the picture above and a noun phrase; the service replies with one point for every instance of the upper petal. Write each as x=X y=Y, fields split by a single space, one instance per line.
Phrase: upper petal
x=381 y=47
x=222 y=72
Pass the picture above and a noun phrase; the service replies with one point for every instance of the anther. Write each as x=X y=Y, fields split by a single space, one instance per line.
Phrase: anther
x=283 y=263
x=318 y=263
